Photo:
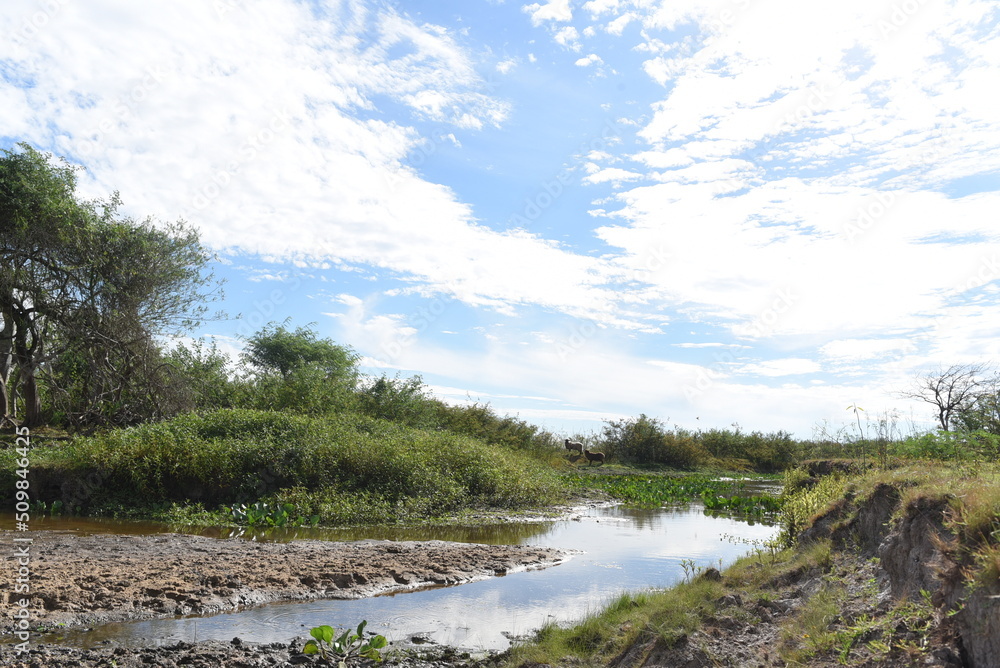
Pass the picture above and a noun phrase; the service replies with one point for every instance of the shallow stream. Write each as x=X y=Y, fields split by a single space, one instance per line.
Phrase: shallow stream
x=614 y=549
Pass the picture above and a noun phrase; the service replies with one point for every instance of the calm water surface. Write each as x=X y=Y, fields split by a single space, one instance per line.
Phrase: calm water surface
x=615 y=549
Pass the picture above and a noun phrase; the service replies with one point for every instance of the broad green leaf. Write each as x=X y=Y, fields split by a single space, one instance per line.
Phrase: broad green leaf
x=324 y=633
x=311 y=648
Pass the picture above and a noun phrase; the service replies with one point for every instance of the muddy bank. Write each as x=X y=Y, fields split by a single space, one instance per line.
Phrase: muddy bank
x=896 y=578
x=235 y=654
x=89 y=580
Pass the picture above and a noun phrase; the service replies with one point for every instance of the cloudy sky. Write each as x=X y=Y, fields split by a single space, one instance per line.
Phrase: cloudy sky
x=745 y=211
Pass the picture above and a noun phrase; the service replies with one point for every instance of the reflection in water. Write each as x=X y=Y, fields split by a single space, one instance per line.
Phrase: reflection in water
x=511 y=533
x=615 y=549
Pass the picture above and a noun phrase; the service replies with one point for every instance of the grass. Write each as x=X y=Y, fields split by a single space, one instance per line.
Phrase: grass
x=347 y=469
x=630 y=618
x=820 y=629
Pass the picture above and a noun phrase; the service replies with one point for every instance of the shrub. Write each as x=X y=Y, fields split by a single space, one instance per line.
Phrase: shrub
x=238 y=456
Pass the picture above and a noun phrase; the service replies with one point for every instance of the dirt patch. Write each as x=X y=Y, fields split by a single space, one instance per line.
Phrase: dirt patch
x=235 y=654
x=88 y=580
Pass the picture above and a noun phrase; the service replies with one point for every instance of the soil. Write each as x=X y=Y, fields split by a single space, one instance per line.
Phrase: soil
x=101 y=578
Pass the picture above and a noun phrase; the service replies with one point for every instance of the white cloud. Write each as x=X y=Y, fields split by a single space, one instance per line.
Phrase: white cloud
x=505 y=66
x=781 y=367
x=586 y=61
x=611 y=175
x=568 y=37
x=617 y=27
x=553 y=10
x=865 y=349
x=599 y=7
x=276 y=150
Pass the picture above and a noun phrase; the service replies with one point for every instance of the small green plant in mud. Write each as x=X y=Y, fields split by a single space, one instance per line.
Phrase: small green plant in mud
x=349 y=644
x=270 y=514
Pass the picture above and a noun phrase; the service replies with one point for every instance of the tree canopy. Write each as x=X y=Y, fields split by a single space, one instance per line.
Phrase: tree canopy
x=84 y=291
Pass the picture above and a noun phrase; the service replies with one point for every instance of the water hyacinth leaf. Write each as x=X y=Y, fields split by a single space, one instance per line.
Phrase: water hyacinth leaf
x=324 y=633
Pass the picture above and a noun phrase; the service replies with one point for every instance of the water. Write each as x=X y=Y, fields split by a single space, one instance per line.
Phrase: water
x=616 y=549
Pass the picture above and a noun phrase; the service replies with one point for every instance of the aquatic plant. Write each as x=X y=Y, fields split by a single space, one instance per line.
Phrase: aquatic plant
x=270 y=514
x=348 y=644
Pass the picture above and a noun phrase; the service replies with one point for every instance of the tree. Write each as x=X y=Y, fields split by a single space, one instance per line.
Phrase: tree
x=982 y=413
x=84 y=290
x=951 y=391
x=295 y=370
x=39 y=217
x=404 y=400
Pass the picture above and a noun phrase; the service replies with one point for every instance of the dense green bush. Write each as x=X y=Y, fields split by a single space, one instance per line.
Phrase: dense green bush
x=775 y=451
x=331 y=464
x=950 y=446
x=645 y=441
x=400 y=400
x=482 y=422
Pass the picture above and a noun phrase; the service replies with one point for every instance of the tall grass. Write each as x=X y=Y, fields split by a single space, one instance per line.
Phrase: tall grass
x=342 y=465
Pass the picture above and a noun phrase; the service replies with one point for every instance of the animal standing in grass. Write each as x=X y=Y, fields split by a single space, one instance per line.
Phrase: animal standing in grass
x=594 y=457
x=574 y=445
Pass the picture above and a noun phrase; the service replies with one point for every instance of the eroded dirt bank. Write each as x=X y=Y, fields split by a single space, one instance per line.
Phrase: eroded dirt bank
x=893 y=591
x=88 y=580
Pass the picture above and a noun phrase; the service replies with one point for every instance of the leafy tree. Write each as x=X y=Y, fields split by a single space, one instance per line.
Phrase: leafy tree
x=39 y=220
x=400 y=400
x=951 y=391
x=84 y=290
x=982 y=412
x=295 y=370
x=202 y=377
x=275 y=349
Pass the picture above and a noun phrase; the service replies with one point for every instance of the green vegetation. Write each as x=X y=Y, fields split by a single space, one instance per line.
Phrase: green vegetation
x=84 y=292
x=270 y=514
x=644 y=441
x=840 y=618
x=347 y=645
x=715 y=493
x=344 y=468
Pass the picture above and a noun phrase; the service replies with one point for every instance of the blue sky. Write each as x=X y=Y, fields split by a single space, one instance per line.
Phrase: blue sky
x=710 y=212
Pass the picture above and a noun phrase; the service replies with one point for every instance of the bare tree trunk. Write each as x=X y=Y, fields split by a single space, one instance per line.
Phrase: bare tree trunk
x=6 y=364
x=24 y=355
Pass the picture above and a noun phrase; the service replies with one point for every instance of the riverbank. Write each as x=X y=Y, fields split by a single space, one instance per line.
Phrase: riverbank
x=89 y=580
x=889 y=568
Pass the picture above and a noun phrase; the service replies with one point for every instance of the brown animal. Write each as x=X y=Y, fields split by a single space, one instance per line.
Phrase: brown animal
x=594 y=457
x=574 y=445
